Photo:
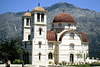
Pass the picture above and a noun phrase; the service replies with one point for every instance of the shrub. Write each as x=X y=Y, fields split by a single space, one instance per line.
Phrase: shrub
x=50 y=62
x=85 y=65
x=95 y=64
x=18 y=61
x=63 y=63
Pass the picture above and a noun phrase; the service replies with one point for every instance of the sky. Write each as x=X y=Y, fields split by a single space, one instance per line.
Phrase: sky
x=24 y=5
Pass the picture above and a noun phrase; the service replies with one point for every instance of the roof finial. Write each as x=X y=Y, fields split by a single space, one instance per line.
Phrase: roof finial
x=38 y=4
x=63 y=10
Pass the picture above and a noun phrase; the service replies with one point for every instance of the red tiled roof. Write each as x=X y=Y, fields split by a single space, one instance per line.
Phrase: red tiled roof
x=84 y=37
x=63 y=17
x=51 y=36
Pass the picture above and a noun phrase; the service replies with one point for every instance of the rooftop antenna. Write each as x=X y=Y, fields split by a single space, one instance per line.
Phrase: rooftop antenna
x=38 y=4
x=63 y=10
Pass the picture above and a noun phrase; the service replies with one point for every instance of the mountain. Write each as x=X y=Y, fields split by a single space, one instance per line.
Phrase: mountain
x=88 y=22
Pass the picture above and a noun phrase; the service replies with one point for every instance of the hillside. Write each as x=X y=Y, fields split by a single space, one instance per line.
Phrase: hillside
x=88 y=22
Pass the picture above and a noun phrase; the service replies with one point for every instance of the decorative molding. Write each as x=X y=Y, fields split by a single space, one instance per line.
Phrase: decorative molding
x=64 y=22
x=27 y=27
x=38 y=24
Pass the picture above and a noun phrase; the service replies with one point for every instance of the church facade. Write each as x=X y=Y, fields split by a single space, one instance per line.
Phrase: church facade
x=62 y=43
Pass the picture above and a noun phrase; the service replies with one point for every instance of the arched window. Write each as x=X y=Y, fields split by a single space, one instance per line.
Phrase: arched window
x=69 y=25
x=50 y=56
x=50 y=45
x=52 y=25
x=40 y=31
x=38 y=17
x=39 y=56
x=72 y=35
x=42 y=17
x=28 y=37
x=27 y=21
x=39 y=44
x=71 y=46
x=60 y=25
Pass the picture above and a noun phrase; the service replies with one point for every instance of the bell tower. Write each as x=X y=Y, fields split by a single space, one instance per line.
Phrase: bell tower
x=38 y=36
x=26 y=26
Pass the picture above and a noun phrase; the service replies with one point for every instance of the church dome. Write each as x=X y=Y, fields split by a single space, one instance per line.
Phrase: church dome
x=28 y=14
x=63 y=17
x=38 y=9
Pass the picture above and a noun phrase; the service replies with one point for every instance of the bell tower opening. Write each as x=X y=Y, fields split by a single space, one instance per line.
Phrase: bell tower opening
x=38 y=17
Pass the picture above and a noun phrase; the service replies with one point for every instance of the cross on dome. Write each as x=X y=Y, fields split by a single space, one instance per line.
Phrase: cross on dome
x=63 y=10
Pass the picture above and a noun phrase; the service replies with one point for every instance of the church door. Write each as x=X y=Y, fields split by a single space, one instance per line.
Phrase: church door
x=71 y=58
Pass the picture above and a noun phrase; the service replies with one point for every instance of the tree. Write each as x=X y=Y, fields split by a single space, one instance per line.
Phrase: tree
x=10 y=50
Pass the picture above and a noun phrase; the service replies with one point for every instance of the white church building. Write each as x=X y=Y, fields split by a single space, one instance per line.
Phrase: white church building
x=62 y=43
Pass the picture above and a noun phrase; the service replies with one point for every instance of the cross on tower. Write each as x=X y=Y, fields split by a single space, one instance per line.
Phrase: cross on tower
x=63 y=10
x=38 y=4
x=28 y=10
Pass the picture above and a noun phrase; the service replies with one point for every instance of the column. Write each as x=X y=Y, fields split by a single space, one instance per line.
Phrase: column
x=35 y=17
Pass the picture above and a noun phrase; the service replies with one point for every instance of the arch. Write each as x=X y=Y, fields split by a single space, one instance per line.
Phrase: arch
x=59 y=25
x=29 y=37
x=61 y=36
x=50 y=56
x=82 y=36
x=71 y=58
x=39 y=55
x=42 y=17
x=38 y=17
x=27 y=21
x=52 y=25
x=39 y=44
x=69 y=25
x=72 y=35
x=40 y=31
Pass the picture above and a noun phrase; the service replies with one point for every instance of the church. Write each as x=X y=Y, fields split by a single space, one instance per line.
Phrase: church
x=62 y=43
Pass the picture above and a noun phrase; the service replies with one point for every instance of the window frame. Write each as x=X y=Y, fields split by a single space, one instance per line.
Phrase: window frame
x=40 y=31
x=72 y=36
x=27 y=21
x=39 y=56
x=71 y=46
x=42 y=17
x=38 y=17
x=50 y=56
x=50 y=47
x=40 y=43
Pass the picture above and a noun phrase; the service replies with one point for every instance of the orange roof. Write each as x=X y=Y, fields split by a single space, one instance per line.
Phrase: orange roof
x=83 y=36
x=51 y=36
x=38 y=9
x=63 y=17
x=28 y=14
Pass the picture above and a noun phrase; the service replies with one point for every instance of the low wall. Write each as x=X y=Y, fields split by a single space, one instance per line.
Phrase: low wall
x=29 y=65
x=2 y=65
x=15 y=65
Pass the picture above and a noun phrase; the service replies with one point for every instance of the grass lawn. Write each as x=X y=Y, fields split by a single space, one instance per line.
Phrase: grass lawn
x=85 y=65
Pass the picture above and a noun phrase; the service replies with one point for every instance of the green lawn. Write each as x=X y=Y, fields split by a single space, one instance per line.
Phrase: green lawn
x=85 y=65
